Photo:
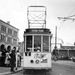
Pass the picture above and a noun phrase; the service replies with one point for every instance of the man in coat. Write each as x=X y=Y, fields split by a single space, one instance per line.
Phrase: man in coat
x=13 y=59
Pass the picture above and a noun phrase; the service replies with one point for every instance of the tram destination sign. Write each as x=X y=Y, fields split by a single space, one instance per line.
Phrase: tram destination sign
x=37 y=30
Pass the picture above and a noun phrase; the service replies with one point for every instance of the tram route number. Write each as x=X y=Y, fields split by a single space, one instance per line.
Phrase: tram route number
x=27 y=53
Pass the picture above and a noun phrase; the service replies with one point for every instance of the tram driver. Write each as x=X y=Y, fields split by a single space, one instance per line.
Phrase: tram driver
x=37 y=48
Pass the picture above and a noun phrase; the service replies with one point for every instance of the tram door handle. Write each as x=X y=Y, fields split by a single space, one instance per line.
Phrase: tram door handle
x=27 y=53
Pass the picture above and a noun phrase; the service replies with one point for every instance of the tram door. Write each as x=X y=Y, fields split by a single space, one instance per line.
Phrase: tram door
x=29 y=43
x=28 y=48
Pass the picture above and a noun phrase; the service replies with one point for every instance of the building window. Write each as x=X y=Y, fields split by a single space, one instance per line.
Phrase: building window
x=3 y=28
x=15 y=33
x=10 y=31
x=15 y=41
x=9 y=40
x=3 y=38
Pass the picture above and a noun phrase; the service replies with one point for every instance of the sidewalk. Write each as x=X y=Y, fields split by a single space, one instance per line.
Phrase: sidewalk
x=65 y=62
x=6 y=70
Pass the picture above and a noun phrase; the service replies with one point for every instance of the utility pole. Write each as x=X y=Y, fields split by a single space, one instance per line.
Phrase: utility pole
x=55 y=47
x=55 y=38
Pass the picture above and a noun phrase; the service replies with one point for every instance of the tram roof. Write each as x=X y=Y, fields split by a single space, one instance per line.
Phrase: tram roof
x=37 y=30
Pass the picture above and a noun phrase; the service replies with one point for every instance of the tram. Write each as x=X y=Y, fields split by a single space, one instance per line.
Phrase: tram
x=37 y=48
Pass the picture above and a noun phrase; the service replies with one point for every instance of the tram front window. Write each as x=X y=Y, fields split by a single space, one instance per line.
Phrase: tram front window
x=37 y=43
x=29 y=43
x=45 y=43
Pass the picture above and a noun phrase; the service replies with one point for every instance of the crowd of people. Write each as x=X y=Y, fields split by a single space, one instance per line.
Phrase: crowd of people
x=2 y=56
x=8 y=58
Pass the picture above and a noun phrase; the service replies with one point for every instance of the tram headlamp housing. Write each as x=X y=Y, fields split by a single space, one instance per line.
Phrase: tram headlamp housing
x=31 y=61
x=37 y=61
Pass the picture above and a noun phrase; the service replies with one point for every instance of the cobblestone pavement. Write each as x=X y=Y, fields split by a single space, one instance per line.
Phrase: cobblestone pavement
x=63 y=62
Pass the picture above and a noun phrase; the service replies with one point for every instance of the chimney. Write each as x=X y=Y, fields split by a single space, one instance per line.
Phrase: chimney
x=8 y=22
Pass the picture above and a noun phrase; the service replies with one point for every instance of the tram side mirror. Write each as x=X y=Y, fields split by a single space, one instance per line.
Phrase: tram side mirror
x=27 y=53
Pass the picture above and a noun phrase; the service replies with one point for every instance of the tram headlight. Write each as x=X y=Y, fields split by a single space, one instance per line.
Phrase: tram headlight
x=37 y=61
x=31 y=61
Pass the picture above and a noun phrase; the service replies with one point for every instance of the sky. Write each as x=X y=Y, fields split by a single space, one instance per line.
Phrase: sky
x=15 y=11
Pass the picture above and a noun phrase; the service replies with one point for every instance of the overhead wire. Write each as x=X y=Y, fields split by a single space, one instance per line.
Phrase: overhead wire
x=67 y=16
x=61 y=23
x=71 y=13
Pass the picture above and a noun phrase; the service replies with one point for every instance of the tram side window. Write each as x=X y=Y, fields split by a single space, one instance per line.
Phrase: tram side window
x=28 y=43
x=45 y=43
x=37 y=43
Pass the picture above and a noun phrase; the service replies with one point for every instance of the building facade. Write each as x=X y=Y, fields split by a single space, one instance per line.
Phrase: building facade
x=67 y=51
x=8 y=36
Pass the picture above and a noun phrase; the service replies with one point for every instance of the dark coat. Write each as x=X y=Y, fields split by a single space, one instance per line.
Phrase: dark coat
x=12 y=60
x=13 y=57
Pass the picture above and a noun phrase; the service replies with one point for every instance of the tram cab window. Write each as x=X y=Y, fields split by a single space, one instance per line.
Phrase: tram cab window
x=29 y=43
x=37 y=43
x=45 y=43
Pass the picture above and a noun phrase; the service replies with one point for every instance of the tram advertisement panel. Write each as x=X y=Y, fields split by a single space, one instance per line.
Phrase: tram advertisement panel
x=40 y=57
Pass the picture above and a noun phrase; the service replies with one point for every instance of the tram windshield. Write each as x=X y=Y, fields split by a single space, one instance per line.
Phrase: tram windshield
x=37 y=43
x=45 y=43
x=40 y=43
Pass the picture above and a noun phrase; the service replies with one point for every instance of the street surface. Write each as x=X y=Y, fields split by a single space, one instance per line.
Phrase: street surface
x=57 y=69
